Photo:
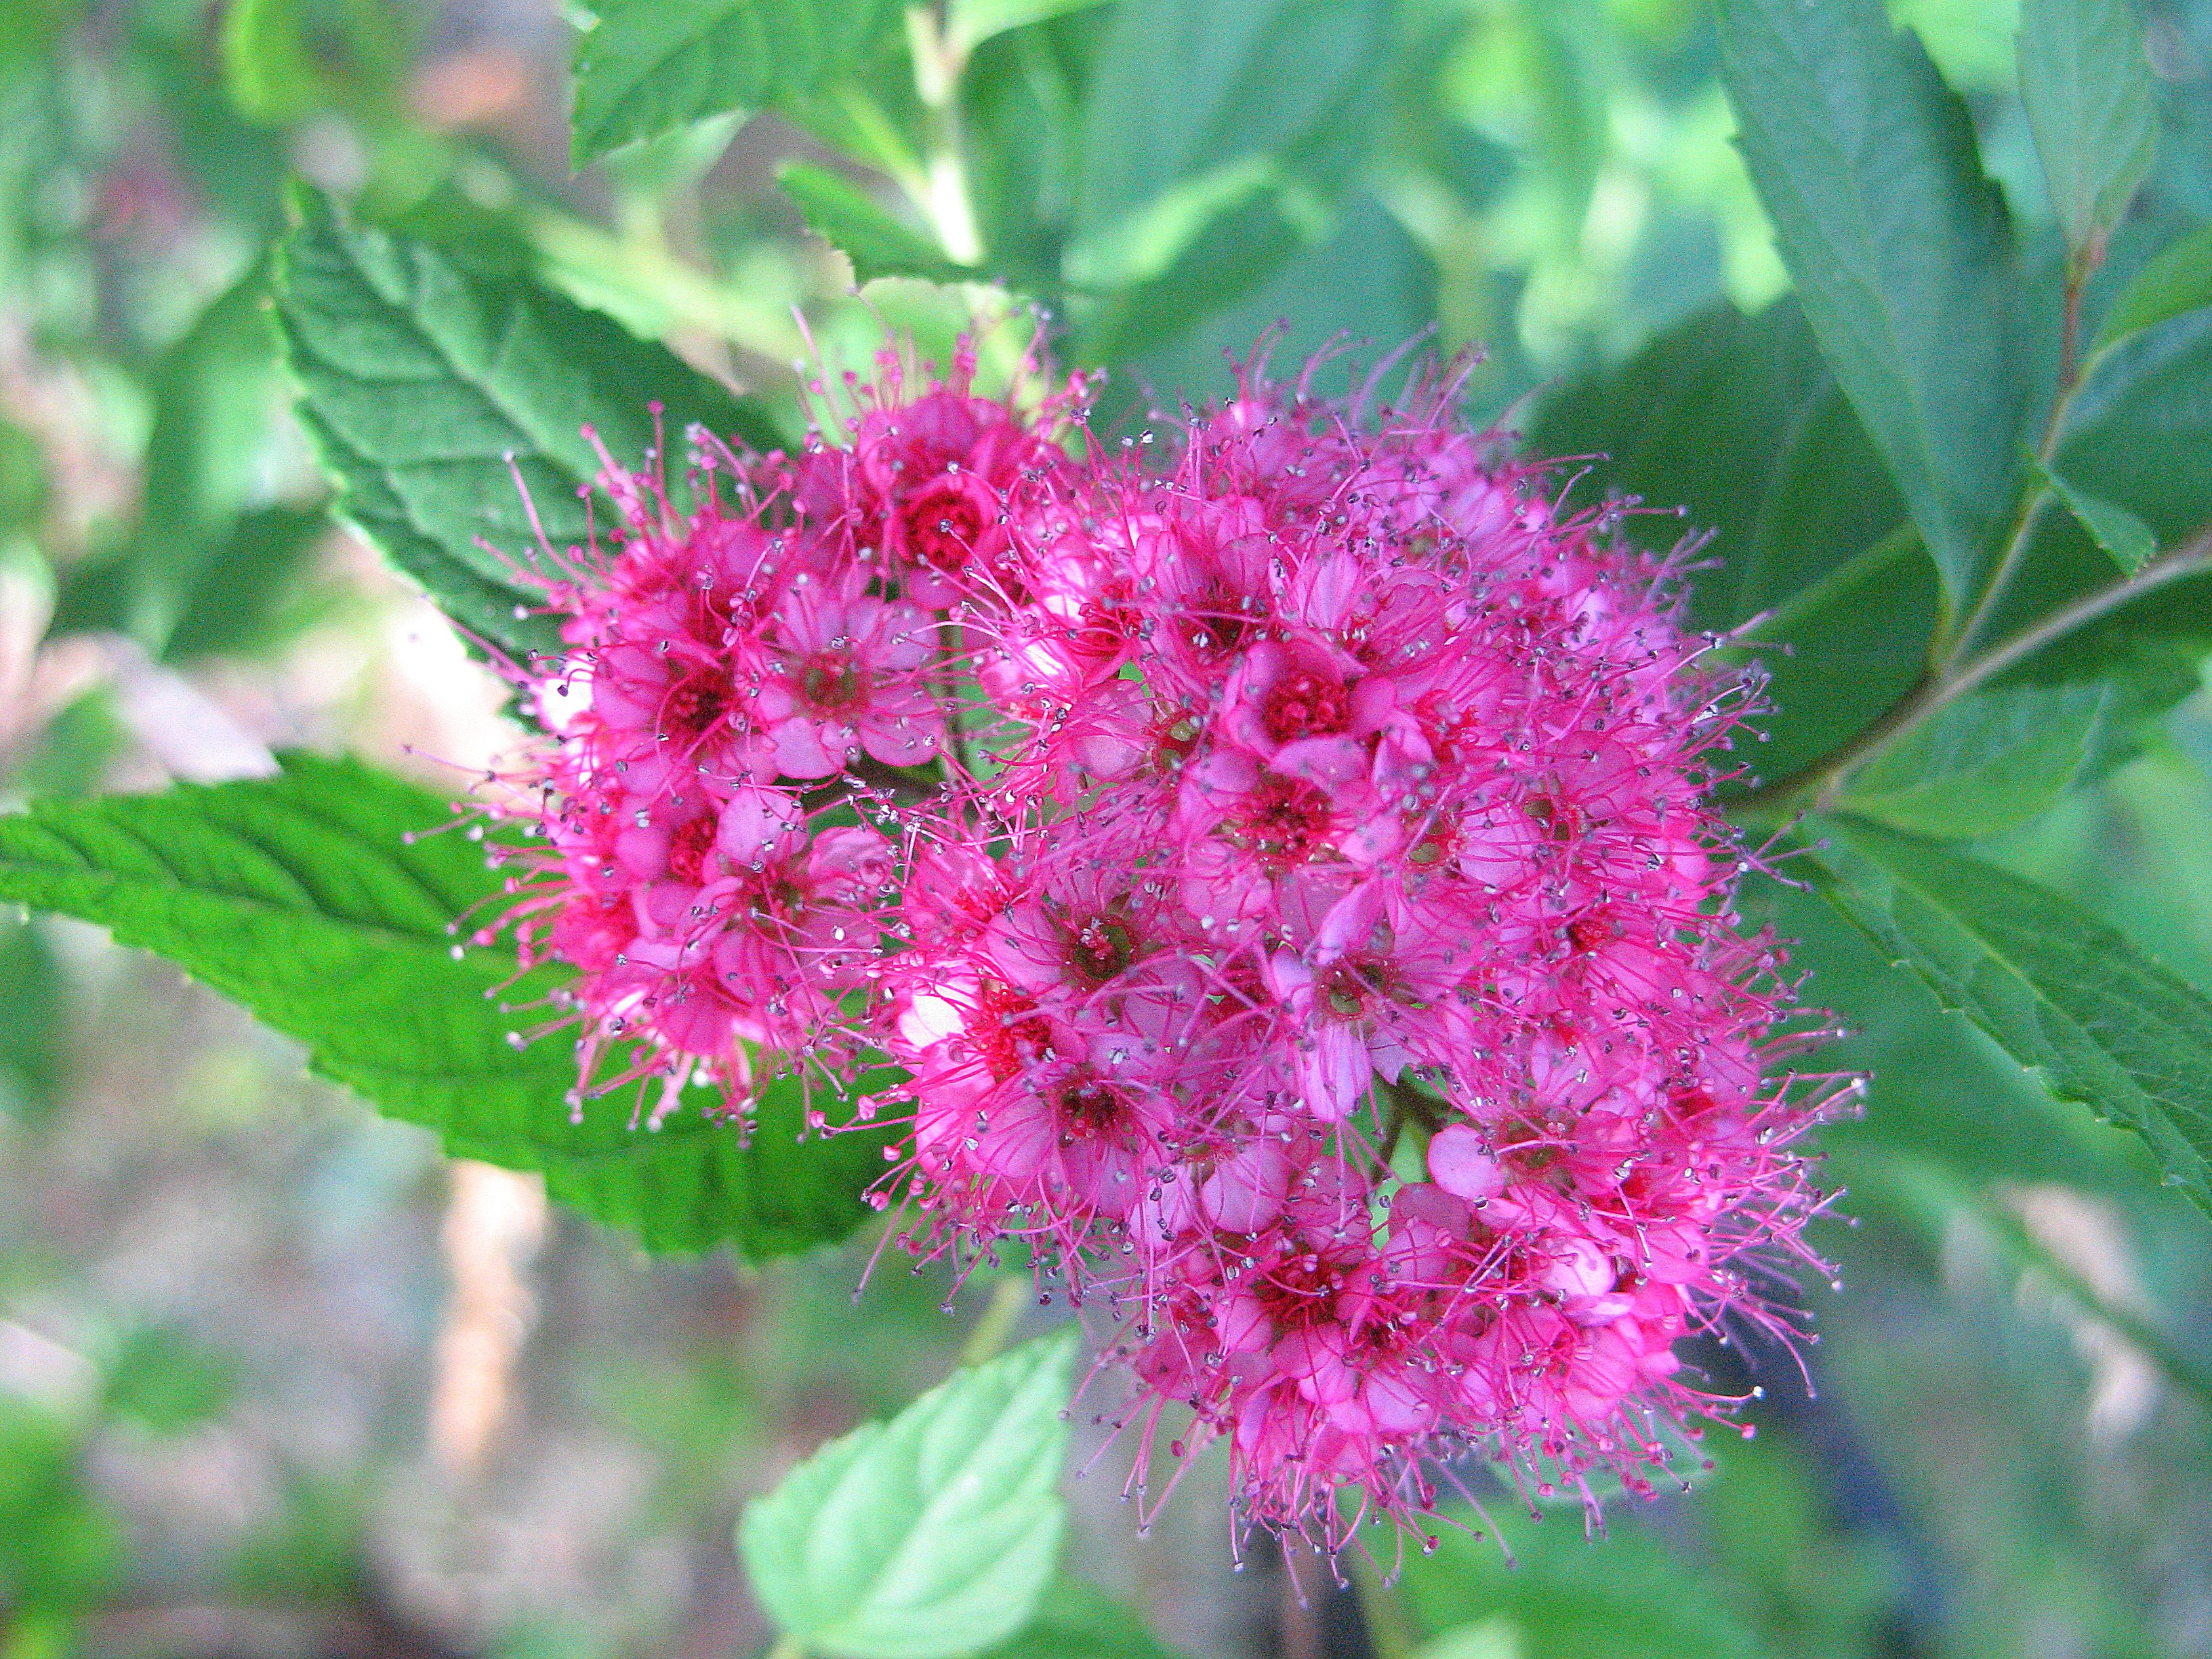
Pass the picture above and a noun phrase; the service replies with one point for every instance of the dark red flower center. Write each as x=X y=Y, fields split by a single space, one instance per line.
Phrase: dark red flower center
x=1283 y=821
x=695 y=703
x=829 y=682
x=943 y=520
x=1099 y=947
x=689 y=850
x=1006 y=1031
x=1304 y=705
x=1091 y=1109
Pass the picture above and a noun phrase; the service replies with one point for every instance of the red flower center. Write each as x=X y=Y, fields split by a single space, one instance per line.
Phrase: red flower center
x=1304 y=705
x=1283 y=821
x=690 y=849
x=943 y=520
x=829 y=683
x=695 y=703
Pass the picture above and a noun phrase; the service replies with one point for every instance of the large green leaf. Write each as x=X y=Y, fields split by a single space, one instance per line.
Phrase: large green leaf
x=430 y=389
x=1218 y=139
x=302 y=896
x=2086 y=80
x=930 y=1536
x=1985 y=763
x=1736 y=421
x=2068 y=997
x=1900 y=247
x=647 y=66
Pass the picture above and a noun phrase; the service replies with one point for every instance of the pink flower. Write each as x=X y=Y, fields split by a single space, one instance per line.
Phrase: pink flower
x=1219 y=846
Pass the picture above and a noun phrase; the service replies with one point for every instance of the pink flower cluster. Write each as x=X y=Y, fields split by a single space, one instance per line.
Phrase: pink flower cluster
x=1283 y=872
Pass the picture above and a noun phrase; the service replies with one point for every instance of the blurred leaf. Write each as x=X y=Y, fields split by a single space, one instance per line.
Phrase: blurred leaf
x=2139 y=433
x=429 y=390
x=284 y=60
x=2177 y=281
x=33 y=1022
x=2069 y=999
x=1900 y=247
x=1985 y=763
x=23 y=486
x=2086 y=80
x=1073 y=1620
x=971 y=23
x=1737 y=423
x=1369 y=285
x=216 y=399
x=863 y=230
x=1217 y=141
x=2118 y=532
x=61 y=1550
x=163 y=1380
x=28 y=26
x=70 y=758
x=933 y=1535
x=302 y=896
x=1564 y=1595
x=646 y=66
x=239 y=592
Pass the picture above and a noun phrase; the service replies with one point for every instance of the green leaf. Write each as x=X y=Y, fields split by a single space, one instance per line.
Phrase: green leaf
x=24 y=488
x=2139 y=431
x=929 y=1536
x=301 y=896
x=863 y=230
x=2177 y=281
x=2086 y=80
x=241 y=595
x=646 y=67
x=2070 y=1000
x=1736 y=421
x=1073 y=1620
x=1900 y=247
x=283 y=59
x=429 y=389
x=1985 y=763
x=1217 y=142
x=2127 y=538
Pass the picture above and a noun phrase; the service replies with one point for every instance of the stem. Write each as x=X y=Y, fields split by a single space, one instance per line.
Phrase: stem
x=2187 y=559
x=1008 y=1298
x=939 y=59
x=1937 y=692
x=2080 y=267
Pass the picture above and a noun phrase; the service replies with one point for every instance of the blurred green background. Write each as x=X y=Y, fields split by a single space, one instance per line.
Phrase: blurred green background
x=274 y=1379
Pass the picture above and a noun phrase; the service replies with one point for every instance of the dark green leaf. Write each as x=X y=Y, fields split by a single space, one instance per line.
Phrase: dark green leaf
x=933 y=1535
x=1217 y=141
x=647 y=67
x=2139 y=434
x=429 y=390
x=1985 y=763
x=2178 y=280
x=2069 y=999
x=863 y=230
x=1900 y=248
x=2086 y=80
x=1736 y=421
x=300 y=896
x=2127 y=538
x=1074 y=1621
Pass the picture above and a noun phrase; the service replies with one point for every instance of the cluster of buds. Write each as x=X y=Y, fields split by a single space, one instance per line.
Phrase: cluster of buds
x=1280 y=868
